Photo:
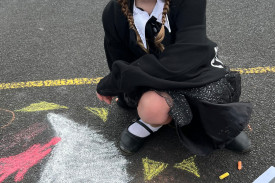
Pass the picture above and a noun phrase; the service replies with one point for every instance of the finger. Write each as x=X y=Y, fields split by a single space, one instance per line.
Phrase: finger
x=110 y=100
x=99 y=96
x=106 y=100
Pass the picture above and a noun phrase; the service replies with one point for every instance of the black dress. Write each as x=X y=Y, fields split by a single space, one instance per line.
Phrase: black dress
x=202 y=93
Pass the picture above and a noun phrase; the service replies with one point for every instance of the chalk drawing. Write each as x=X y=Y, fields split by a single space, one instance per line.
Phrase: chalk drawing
x=100 y=112
x=188 y=165
x=83 y=155
x=10 y=121
x=42 y=106
x=50 y=83
x=24 y=136
x=152 y=168
x=94 y=81
x=21 y=163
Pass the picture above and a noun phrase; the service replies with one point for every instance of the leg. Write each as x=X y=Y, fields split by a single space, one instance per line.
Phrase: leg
x=153 y=109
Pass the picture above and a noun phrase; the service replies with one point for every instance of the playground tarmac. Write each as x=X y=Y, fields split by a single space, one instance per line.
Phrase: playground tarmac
x=54 y=129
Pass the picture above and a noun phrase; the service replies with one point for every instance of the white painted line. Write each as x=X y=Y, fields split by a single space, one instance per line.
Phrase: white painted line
x=267 y=177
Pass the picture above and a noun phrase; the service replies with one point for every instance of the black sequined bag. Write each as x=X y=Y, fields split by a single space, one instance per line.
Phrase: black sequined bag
x=234 y=78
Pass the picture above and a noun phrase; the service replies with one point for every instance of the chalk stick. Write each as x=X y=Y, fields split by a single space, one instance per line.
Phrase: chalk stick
x=240 y=165
x=224 y=175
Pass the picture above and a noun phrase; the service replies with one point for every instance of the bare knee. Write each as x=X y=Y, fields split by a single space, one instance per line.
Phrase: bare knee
x=153 y=109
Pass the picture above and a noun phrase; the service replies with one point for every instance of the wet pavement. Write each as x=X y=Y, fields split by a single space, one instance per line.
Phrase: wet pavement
x=55 y=129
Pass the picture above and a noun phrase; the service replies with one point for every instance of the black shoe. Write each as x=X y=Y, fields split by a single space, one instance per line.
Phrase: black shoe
x=130 y=143
x=241 y=143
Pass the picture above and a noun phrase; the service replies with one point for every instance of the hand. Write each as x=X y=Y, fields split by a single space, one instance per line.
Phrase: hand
x=107 y=99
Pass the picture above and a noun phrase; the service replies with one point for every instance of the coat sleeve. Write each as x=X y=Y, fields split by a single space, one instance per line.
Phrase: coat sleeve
x=182 y=64
x=114 y=47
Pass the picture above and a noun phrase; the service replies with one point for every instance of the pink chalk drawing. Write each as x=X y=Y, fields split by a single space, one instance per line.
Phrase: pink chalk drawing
x=30 y=133
x=24 y=136
x=22 y=162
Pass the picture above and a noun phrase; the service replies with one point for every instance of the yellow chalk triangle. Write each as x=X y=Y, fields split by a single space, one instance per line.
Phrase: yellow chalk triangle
x=100 y=112
x=152 y=168
x=189 y=165
x=42 y=106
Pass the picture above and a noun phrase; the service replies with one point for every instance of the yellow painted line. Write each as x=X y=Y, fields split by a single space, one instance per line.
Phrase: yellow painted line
x=41 y=106
x=50 y=83
x=255 y=70
x=94 y=81
x=152 y=168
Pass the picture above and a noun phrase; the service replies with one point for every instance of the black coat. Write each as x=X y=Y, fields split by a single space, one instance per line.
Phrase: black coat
x=185 y=62
x=188 y=61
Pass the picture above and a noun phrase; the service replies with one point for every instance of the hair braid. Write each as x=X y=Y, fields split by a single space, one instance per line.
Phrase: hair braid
x=128 y=14
x=159 y=38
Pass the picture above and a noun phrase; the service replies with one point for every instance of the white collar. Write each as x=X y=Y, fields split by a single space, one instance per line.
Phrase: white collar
x=142 y=17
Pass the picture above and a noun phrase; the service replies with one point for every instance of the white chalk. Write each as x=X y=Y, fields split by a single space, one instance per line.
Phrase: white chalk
x=82 y=155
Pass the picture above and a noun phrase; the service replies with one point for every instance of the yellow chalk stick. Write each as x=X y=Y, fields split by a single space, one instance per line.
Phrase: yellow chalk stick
x=224 y=175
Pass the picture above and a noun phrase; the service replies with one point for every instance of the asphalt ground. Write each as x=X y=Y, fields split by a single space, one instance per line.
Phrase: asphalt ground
x=65 y=137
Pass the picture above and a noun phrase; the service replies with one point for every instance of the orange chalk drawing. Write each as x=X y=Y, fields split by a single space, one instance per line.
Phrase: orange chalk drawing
x=11 y=120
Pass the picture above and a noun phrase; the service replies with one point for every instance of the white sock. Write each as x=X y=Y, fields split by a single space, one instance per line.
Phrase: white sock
x=140 y=131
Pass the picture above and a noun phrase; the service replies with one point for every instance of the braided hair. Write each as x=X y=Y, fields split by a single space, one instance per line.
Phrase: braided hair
x=160 y=36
